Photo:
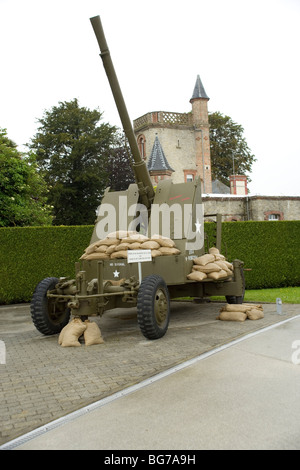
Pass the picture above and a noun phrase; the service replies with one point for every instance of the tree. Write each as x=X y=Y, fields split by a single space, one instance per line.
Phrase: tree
x=119 y=170
x=22 y=190
x=229 y=150
x=72 y=150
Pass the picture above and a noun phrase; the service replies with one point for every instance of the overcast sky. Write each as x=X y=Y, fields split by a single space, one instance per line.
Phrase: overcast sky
x=245 y=51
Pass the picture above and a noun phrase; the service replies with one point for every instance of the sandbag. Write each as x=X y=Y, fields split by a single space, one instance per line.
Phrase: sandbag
x=119 y=254
x=122 y=246
x=110 y=249
x=120 y=234
x=71 y=333
x=254 y=306
x=95 y=255
x=136 y=237
x=207 y=268
x=223 y=266
x=241 y=307
x=232 y=316
x=204 y=259
x=61 y=334
x=134 y=246
x=168 y=251
x=163 y=241
x=101 y=249
x=255 y=314
x=229 y=265
x=92 y=247
x=197 y=276
x=155 y=253
x=92 y=334
x=108 y=241
x=213 y=251
x=235 y=308
x=217 y=275
x=98 y=246
x=219 y=257
x=150 y=245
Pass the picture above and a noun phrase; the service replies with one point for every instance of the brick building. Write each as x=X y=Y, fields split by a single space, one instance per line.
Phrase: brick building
x=183 y=138
x=248 y=207
x=176 y=145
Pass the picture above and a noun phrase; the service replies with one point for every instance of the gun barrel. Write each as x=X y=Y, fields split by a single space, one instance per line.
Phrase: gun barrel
x=141 y=172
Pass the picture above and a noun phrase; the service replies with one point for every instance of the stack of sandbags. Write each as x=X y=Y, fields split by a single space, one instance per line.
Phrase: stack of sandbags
x=213 y=266
x=92 y=334
x=117 y=244
x=70 y=334
x=240 y=312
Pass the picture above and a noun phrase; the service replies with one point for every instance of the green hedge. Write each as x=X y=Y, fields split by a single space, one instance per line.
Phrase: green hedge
x=27 y=255
x=270 y=249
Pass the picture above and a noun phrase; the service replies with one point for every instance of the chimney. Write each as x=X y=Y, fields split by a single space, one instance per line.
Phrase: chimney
x=238 y=185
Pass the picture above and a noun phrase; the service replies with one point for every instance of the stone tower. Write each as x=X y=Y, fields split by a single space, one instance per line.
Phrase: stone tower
x=182 y=139
x=201 y=127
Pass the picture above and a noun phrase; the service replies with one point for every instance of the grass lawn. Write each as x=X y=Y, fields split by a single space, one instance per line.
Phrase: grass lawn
x=288 y=295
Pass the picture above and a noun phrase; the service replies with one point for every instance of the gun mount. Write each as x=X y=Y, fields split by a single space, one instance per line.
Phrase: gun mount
x=173 y=233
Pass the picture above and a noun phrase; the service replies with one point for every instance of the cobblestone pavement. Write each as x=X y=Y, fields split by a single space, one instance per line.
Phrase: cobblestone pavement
x=41 y=381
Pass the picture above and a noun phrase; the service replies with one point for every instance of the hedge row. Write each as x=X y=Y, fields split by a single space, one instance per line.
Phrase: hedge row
x=270 y=249
x=27 y=255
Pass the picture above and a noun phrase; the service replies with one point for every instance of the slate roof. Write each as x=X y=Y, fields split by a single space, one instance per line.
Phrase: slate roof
x=199 y=91
x=157 y=160
x=219 y=188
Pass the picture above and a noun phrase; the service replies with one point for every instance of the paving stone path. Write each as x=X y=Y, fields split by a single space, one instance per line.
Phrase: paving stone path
x=41 y=381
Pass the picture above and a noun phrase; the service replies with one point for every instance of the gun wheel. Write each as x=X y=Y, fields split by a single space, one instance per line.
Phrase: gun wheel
x=49 y=316
x=153 y=307
x=232 y=299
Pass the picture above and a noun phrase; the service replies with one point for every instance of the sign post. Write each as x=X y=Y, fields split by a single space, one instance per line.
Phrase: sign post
x=139 y=256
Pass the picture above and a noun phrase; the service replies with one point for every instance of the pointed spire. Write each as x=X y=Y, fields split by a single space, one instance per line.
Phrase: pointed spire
x=157 y=160
x=199 y=91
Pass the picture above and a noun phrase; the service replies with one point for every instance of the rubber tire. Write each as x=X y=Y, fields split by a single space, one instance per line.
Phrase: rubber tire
x=39 y=309
x=232 y=299
x=151 y=288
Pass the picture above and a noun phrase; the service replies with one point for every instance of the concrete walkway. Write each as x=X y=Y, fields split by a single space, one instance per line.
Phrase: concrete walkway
x=241 y=391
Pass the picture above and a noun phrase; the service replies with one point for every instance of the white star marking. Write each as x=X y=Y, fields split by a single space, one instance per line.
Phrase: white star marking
x=116 y=273
x=198 y=226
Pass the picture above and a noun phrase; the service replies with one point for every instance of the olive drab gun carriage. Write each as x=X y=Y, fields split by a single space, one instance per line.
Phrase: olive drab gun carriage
x=172 y=212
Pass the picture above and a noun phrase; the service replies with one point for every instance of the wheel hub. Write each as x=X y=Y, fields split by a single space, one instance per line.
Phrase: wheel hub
x=56 y=311
x=160 y=307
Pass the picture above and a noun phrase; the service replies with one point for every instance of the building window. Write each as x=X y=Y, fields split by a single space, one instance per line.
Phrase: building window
x=274 y=215
x=142 y=146
x=189 y=175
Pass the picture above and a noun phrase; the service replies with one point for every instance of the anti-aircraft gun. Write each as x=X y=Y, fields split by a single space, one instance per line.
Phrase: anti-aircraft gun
x=171 y=215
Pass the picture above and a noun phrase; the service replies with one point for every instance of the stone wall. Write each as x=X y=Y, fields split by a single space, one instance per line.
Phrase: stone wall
x=253 y=207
